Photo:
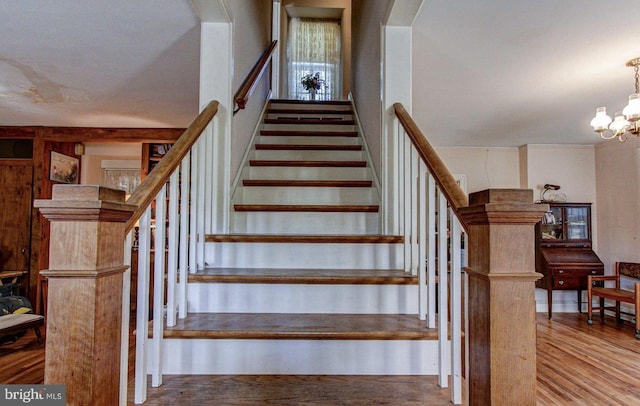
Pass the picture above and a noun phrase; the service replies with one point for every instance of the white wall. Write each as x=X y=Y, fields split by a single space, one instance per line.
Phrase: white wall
x=484 y=168
x=617 y=178
x=251 y=37
x=365 y=77
x=570 y=166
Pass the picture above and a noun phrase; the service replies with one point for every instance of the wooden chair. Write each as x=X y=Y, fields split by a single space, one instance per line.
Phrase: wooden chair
x=628 y=269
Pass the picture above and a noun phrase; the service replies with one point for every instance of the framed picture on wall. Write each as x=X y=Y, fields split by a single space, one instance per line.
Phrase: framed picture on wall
x=63 y=168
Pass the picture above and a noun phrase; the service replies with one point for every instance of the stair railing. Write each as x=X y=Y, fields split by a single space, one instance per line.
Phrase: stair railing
x=433 y=231
x=165 y=201
x=87 y=333
x=241 y=98
x=497 y=304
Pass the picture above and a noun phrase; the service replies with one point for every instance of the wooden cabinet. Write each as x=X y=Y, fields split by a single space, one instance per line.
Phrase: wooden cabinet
x=152 y=153
x=564 y=254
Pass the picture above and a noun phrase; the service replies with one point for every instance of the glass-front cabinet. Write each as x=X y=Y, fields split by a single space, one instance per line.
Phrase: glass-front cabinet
x=567 y=223
x=564 y=254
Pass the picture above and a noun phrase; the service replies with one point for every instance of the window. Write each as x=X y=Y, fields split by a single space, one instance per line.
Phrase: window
x=16 y=148
x=314 y=46
x=121 y=174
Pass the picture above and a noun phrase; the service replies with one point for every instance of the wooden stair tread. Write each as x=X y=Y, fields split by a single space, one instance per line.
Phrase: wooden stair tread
x=308 y=133
x=301 y=326
x=311 y=102
x=308 y=147
x=308 y=111
x=307 y=183
x=314 y=164
x=343 y=208
x=308 y=121
x=305 y=276
x=305 y=239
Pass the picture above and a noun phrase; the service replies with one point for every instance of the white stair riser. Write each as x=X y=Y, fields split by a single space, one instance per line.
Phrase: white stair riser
x=307 y=140
x=310 y=106
x=302 y=298
x=346 y=116
x=311 y=256
x=305 y=195
x=307 y=173
x=297 y=155
x=299 y=357
x=318 y=223
x=308 y=127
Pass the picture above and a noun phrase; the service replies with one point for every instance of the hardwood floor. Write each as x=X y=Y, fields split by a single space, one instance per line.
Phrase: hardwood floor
x=23 y=360
x=577 y=364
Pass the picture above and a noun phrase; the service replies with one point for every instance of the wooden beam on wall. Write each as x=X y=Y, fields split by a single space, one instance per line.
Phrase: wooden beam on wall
x=94 y=134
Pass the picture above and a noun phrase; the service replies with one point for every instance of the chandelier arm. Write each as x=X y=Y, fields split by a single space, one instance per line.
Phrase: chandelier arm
x=612 y=136
x=623 y=137
x=635 y=68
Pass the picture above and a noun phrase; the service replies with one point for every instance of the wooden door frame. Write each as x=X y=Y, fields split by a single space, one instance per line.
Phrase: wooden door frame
x=24 y=281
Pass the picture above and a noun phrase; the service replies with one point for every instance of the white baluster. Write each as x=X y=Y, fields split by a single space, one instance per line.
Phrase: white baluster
x=431 y=251
x=423 y=283
x=185 y=172
x=195 y=210
x=158 y=287
x=172 y=255
x=200 y=198
x=142 y=307
x=443 y=342
x=415 y=212
x=407 y=184
x=209 y=193
x=126 y=309
x=456 y=310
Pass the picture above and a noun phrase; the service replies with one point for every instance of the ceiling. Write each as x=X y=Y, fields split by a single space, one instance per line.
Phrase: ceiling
x=99 y=63
x=496 y=73
x=514 y=72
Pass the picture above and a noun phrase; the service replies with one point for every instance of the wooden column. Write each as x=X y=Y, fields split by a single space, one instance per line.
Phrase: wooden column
x=84 y=313
x=502 y=309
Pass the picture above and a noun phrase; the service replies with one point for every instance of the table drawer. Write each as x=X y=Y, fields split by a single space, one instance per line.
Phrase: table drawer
x=569 y=282
x=573 y=272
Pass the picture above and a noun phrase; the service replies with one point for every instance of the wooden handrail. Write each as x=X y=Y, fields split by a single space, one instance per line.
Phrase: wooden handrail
x=443 y=177
x=248 y=86
x=150 y=187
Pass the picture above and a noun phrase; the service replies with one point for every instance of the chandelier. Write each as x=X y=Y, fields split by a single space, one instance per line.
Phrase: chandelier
x=626 y=122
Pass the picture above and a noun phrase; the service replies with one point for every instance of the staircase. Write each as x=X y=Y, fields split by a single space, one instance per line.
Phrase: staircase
x=304 y=283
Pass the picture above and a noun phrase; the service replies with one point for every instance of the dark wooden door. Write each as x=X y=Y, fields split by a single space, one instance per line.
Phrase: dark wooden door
x=16 y=180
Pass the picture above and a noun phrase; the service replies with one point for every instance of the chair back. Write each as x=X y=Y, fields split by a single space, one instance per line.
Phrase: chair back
x=628 y=269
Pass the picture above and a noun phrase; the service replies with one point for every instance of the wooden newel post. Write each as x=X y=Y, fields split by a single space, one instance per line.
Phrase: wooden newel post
x=502 y=309
x=84 y=311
